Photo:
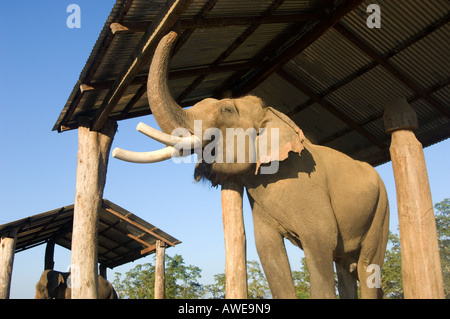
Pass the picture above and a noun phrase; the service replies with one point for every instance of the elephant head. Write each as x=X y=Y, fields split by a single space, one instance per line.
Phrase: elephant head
x=55 y=285
x=231 y=135
x=52 y=284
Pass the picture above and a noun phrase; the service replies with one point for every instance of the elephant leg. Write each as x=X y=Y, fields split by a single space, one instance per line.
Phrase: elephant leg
x=347 y=286
x=319 y=259
x=274 y=260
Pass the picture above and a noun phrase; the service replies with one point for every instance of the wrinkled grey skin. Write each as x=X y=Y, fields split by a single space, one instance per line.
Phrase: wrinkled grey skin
x=331 y=206
x=53 y=285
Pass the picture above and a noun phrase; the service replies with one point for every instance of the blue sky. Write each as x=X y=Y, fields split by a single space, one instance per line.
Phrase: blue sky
x=40 y=62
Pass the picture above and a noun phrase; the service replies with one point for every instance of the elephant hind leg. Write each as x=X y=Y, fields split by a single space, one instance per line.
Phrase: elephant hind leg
x=373 y=249
x=347 y=286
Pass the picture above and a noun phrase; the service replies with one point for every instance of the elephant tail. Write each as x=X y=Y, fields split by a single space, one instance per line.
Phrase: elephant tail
x=373 y=248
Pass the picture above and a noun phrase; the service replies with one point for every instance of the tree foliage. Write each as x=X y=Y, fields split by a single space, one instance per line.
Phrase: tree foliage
x=181 y=281
x=442 y=213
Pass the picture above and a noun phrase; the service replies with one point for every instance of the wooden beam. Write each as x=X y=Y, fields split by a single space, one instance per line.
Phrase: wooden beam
x=49 y=254
x=173 y=75
x=218 y=22
x=421 y=266
x=364 y=47
x=145 y=229
x=296 y=47
x=162 y=24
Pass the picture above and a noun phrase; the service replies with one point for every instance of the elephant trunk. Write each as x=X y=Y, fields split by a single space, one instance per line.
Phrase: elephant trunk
x=168 y=114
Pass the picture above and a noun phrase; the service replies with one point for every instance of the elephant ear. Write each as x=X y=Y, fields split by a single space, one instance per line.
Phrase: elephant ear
x=55 y=279
x=270 y=148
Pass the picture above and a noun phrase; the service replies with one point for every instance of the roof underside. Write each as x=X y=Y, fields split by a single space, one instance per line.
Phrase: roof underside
x=316 y=61
x=122 y=236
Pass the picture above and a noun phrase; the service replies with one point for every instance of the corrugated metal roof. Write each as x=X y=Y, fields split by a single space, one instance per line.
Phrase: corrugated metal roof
x=332 y=80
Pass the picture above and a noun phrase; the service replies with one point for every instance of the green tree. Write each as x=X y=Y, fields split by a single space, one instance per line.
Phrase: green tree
x=181 y=281
x=258 y=287
x=301 y=281
x=442 y=213
x=391 y=273
x=217 y=289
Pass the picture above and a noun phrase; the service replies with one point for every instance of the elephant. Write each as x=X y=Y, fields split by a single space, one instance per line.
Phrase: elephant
x=54 y=285
x=331 y=206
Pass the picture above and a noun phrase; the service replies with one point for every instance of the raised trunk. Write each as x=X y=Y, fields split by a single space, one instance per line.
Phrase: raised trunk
x=168 y=114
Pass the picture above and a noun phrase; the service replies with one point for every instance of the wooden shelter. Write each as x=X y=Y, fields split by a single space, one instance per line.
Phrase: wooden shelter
x=122 y=236
x=320 y=62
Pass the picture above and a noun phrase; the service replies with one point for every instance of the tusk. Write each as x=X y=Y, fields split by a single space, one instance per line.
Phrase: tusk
x=145 y=157
x=181 y=142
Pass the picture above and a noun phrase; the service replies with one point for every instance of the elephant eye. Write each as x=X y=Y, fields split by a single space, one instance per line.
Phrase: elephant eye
x=227 y=109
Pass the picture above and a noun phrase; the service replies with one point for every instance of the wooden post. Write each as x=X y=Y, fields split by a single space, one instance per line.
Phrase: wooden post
x=421 y=267
x=49 y=254
x=93 y=153
x=235 y=249
x=7 y=248
x=103 y=271
x=160 y=270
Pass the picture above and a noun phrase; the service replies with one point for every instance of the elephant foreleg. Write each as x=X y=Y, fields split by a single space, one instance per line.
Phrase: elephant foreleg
x=274 y=260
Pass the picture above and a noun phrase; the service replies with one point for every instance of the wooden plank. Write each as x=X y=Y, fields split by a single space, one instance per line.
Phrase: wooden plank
x=162 y=24
x=132 y=222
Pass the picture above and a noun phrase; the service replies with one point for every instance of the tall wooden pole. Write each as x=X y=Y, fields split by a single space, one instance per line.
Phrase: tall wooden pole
x=235 y=249
x=160 y=279
x=93 y=154
x=7 y=248
x=421 y=267
x=49 y=255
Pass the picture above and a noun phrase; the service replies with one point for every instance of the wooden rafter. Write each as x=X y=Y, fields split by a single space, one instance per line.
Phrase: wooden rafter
x=173 y=75
x=162 y=24
x=144 y=229
x=218 y=22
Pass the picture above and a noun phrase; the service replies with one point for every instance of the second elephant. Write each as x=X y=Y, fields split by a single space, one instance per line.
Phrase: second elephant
x=54 y=285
